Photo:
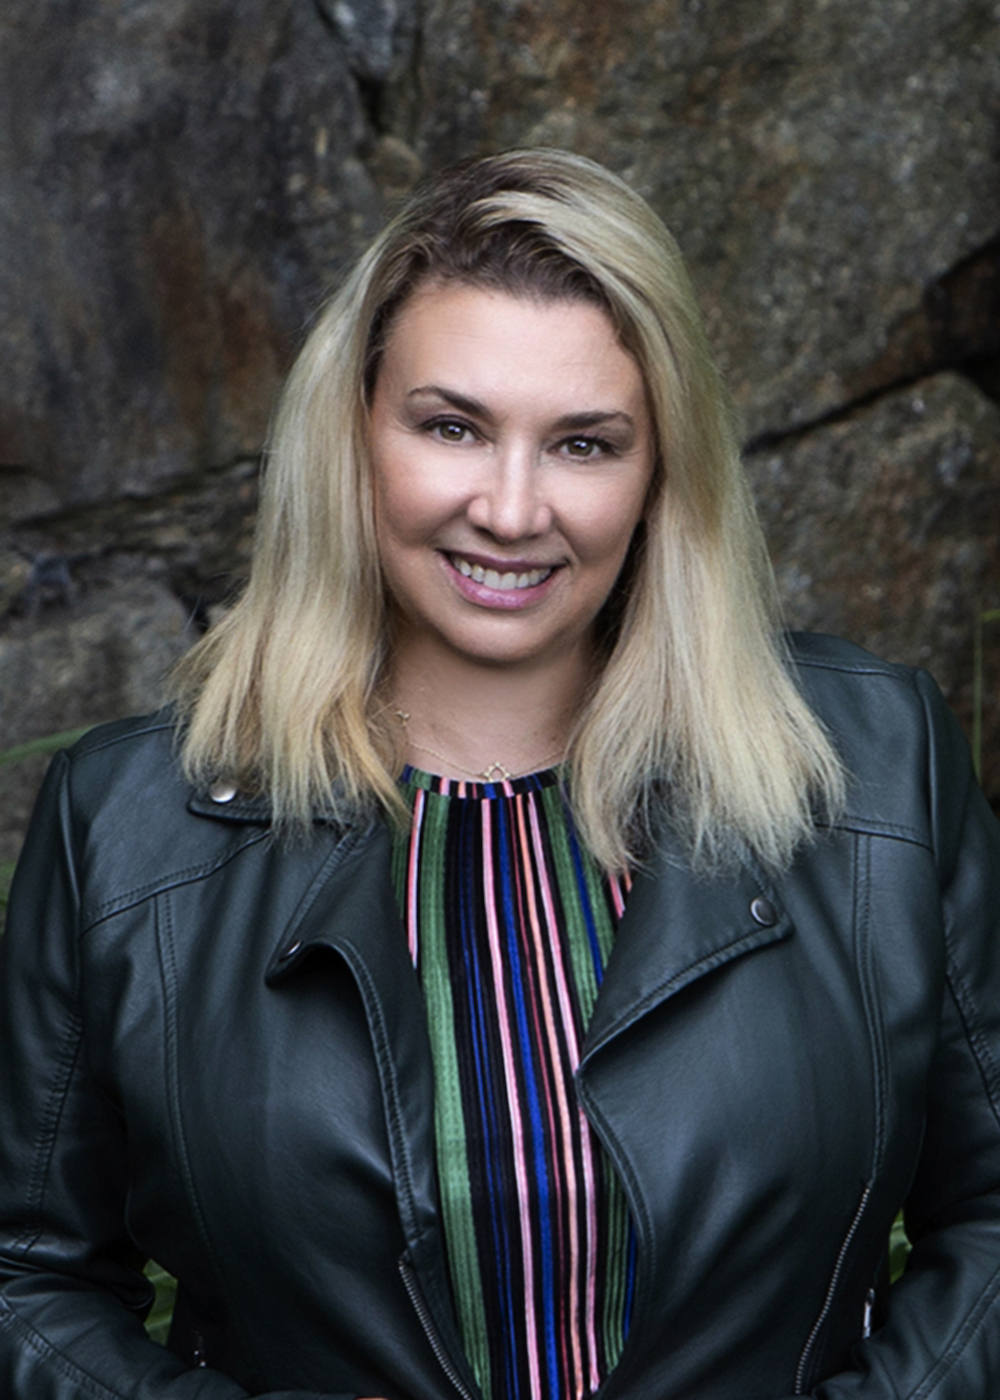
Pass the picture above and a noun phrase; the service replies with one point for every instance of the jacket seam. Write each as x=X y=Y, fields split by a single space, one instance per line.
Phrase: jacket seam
x=44 y=1349
x=186 y=876
x=977 y=1042
x=972 y=1324
x=871 y=1000
x=168 y=972
x=966 y=1003
x=868 y=826
x=816 y=664
x=88 y=743
x=49 y=1132
x=890 y=671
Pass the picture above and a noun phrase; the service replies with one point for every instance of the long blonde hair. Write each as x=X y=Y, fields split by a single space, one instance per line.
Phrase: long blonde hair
x=693 y=717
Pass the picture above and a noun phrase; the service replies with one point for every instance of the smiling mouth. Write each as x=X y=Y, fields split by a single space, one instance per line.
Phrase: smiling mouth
x=504 y=583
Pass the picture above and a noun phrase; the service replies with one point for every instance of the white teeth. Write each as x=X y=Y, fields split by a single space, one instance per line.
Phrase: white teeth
x=502 y=582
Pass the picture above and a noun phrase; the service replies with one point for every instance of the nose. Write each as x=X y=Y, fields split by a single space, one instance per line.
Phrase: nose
x=510 y=503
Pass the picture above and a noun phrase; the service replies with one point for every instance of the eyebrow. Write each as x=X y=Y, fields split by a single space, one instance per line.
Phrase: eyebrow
x=457 y=400
x=568 y=423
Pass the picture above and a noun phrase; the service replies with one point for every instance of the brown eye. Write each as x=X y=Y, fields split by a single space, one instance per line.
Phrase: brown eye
x=584 y=447
x=448 y=430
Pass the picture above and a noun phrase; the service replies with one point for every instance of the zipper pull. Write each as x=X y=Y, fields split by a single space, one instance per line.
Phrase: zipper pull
x=866 y=1317
x=198 y=1356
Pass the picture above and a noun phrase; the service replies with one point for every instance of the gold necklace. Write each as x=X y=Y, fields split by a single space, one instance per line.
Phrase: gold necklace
x=495 y=772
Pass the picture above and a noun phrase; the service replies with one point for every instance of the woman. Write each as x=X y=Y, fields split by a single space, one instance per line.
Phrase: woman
x=508 y=969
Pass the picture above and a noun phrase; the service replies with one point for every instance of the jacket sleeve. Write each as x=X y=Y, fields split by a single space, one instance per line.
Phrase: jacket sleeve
x=941 y=1337
x=72 y=1297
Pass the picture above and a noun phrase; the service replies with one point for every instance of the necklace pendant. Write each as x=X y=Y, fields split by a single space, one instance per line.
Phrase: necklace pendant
x=495 y=773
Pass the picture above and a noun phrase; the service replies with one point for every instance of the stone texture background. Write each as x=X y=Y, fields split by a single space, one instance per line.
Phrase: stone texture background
x=182 y=181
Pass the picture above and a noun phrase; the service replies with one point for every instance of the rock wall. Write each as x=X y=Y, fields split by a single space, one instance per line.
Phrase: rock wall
x=183 y=181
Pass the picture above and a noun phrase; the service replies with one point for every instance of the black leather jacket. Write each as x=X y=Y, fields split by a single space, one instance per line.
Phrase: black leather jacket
x=213 y=1052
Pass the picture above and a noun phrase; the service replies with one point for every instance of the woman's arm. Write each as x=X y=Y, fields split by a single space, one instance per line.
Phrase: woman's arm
x=72 y=1297
x=941 y=1338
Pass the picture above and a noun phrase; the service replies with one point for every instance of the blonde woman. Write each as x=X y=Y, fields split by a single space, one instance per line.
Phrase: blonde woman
x=510 y=969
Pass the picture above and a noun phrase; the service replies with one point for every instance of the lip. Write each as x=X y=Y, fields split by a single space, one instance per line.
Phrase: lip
x=502 y=599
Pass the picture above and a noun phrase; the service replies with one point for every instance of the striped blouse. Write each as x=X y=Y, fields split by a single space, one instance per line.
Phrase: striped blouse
x=510 y=923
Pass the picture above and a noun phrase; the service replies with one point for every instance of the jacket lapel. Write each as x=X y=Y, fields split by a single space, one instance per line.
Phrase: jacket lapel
x=677 y=927
x=350 y=910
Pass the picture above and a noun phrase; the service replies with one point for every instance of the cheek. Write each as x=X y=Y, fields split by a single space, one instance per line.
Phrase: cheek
x=604 y=531
x=411 y=499
x=398 y=506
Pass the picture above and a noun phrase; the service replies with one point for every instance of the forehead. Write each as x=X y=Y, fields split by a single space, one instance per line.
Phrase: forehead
x=480 y=339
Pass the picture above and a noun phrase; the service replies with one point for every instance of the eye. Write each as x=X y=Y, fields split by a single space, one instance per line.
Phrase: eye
x=451 y=430
x=585 y=448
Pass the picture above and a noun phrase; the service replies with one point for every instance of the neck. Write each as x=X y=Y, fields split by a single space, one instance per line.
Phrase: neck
x=461 y=718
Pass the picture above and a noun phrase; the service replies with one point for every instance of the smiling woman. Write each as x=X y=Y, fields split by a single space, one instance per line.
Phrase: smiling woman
x=512 y=968
x=714 y=711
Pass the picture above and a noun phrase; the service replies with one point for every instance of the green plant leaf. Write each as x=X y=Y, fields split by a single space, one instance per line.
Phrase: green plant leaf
x=899 y=1248
x=6 y=875
x=158 y=1321
x=48 y=743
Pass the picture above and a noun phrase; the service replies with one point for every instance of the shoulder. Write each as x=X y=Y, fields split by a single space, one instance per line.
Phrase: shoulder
x=114 y=758
x=848 y=686
x=818 y=654
x=132 y=824
x=123 y=772
x=909 y=764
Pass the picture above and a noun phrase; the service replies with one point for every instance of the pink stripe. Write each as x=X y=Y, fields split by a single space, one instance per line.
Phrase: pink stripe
x=412 y=878
x=521 y=1172
x=586 y=1140
x=565 y=1176
x=552 y=1086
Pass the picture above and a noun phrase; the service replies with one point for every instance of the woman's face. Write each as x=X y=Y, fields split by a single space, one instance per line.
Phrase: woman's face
x=512 y=452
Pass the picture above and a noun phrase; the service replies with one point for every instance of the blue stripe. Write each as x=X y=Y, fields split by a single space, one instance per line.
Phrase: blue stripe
x=475 y=983
x=543 y=1184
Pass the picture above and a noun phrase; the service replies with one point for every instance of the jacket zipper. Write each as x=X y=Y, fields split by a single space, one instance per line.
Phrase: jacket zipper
x=199 y=1356
x=824 y=1312
x=427 y=1323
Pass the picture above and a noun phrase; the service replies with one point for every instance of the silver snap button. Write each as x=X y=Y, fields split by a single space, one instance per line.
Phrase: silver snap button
x=222 y=791
x=763 y=912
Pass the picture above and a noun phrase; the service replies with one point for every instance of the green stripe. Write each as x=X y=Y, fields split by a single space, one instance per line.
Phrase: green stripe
x=449 y=1121
x=617 y=1226
x=581 y=957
